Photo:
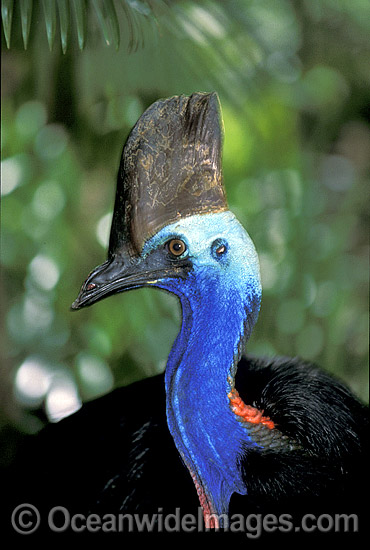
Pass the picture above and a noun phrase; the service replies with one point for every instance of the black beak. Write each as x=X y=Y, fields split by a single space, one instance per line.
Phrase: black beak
x=119 y=274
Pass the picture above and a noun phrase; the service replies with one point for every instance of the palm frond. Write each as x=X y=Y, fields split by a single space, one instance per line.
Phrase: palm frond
x=50 y=12
x=7 y=18
x=64 y=17
x=81 y=21
x=110 y=16
x=108 y=21
x=26 y=16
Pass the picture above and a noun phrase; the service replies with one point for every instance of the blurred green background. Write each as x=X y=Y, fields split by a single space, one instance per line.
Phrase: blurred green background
x=293 y=78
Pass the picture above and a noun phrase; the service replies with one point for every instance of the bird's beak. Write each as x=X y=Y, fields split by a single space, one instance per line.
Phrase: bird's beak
x=120 y=274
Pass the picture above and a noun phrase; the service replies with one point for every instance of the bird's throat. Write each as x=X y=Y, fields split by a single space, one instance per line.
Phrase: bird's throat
x=199 y=379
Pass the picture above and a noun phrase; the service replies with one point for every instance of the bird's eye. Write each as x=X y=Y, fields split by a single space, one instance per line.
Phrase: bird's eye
x=219 y=249
x=176 y=247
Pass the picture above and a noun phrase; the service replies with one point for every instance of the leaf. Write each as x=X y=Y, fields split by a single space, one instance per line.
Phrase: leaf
x=108 y=20
x=50 y=12
x=141 y=7
x=81 y=21
x=7 y=16
x=63 y=7
x=132 y=25
x=26 y=16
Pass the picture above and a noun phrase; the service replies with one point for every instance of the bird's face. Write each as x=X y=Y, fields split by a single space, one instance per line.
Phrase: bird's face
x=196 y=256
x=215 y=252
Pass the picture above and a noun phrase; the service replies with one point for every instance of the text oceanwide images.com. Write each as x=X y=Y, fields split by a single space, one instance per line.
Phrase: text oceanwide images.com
x=26 y=519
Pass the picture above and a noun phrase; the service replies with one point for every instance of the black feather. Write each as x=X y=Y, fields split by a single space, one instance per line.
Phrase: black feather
x=116 y=455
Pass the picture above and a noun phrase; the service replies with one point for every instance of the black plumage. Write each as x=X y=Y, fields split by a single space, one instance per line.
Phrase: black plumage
x=116 y=455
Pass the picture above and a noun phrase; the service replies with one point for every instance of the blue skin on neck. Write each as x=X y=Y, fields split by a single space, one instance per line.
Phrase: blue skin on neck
x=220 y=299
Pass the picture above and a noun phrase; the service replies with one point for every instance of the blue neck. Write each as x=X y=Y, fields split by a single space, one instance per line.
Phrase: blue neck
x=199 y=375
x=220 y=298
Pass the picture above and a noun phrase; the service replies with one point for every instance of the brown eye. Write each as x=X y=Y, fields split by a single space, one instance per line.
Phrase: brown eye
x=176 y=247
x=221 y=250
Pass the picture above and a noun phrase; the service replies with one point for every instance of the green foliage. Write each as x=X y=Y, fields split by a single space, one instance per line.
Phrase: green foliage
x=58 y=18
x=293 y=79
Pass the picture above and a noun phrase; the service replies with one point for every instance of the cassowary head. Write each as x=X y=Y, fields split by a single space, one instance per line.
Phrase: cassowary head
x=171 y=225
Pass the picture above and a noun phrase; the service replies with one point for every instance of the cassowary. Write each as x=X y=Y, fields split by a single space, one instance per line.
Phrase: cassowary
x=221 y=431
